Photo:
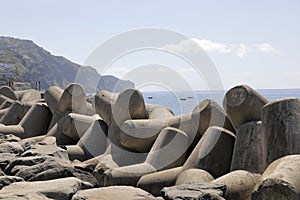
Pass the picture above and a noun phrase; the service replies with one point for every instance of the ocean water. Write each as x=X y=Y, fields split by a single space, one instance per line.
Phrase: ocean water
x=182 y=102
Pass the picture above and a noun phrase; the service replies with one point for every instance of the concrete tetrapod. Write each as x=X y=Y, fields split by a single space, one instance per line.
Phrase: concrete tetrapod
x=207 y=113
x=8 y=92
x=281 y=128
x=281 y=180
x=103 y=105
x=91 y=144
x=243 y=104
x=191 y=176
x=168 y=151
x=248 y=148
x=34 y=123
x=213 y=154
x=141 y=139
x=239 y=184
x=71 y=127
x=14 y=113
x=73 y=99
x=29 y=95
x=52 y=96
x=129 y=105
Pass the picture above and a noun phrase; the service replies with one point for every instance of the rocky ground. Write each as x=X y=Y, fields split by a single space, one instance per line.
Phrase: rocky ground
x=61 y=145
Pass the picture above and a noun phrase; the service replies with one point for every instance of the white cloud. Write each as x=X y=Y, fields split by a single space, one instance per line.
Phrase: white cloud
x=265 y=47
x=241 y=50
x=192 y=45
x=210 y=46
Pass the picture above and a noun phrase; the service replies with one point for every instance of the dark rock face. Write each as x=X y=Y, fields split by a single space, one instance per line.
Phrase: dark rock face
x=199 y=191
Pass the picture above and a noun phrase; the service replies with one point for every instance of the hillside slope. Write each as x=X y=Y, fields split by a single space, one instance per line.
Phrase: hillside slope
x=24 y=61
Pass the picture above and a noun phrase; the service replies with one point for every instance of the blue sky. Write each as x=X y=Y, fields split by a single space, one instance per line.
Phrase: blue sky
x=254 y=42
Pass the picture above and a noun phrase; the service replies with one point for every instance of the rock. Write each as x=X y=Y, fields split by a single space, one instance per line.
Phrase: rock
x=51 y=150
x=243 y=104
x=38 y=168
x=9 y=138
x=213 y=152
x=281 y=180
x=11 y=147
x=113 y=192
x=281 y=128
x=7 y=180
x=191 y=176
x=201 y=191
x=248 y=152
x=239 y=184
x=62 y=188
x=5 y=159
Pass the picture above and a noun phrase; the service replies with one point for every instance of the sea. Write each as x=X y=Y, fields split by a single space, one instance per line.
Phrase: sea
x=182 y=102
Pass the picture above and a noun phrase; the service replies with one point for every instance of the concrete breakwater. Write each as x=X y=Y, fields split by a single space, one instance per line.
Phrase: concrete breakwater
x=63 y=145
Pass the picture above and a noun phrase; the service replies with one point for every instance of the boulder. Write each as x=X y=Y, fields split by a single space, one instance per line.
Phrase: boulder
x=62 y=188
x=7 y=180
x=113 y=192
x=201 y=191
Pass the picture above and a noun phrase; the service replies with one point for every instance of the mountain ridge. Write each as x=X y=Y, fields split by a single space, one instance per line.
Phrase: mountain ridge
x=24 y=61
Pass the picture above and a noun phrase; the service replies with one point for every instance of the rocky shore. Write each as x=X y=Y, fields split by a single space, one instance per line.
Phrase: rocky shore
x=63 y=145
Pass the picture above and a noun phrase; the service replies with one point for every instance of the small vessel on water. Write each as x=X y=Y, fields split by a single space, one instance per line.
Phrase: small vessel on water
x=182 y=99
x=150 y=97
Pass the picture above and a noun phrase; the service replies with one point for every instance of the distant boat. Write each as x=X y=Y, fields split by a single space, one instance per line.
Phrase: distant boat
x=150 y=97
x=182 y=99
x=190 y=97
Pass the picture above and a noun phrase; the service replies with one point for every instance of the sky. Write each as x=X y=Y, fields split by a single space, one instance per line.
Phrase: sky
x=254 y=42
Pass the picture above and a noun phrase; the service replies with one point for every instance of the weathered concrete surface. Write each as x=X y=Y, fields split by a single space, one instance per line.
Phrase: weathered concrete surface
x=8 y=92
x=281 y=128
x=281 y=180
x=113 y=192
x=191 y=176
x=167 y=152
x=14 y=114
x=153 y=183
x=239 y=184
x=243 y=104
x=248 y=153
x=213 y=152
